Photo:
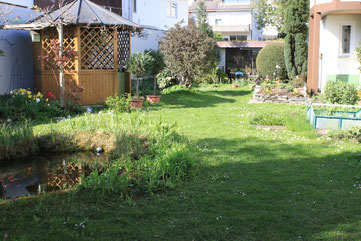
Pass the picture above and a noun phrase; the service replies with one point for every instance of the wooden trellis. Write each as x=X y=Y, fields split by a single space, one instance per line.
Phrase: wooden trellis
x=67 y=175
x=100 y=54
x=97 y=49
x=51 y=34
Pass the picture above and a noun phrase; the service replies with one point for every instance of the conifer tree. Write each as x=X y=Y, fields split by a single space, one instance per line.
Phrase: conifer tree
x=296 y=29
x=202 y=20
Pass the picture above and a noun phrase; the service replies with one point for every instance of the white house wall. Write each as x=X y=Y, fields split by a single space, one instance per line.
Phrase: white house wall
x=154 y=13
x=332 y=66
x=151 y=42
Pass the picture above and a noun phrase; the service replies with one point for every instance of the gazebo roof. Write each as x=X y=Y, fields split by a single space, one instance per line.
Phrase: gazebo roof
x=79 y=12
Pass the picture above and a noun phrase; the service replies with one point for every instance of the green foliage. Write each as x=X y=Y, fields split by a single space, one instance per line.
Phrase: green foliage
x=290 y=88
x=22 y=105
x=202 y=20
x=296 y=29
x=118 y=103
x=166 y=79
x=339 y=92
x=358 y=54
x=14 y=136
x=268 y=58
x=139 y=65
x=265 y=118
x=2 y=52
x=157 y=65
x=218 y=37
x=166 y=159
x=270 y=13
x=188 y=52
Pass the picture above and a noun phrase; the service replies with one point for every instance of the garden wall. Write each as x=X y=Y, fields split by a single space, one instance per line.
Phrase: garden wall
x=260 y=97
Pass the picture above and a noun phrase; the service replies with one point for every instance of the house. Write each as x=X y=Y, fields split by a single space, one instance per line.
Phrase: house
x=156 y=16
x=16 y=66
x=234 y=19
x=334 y=35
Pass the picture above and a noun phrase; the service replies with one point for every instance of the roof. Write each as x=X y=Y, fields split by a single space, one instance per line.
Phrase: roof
x=244 y=44
x=218 y=5
x=78 y=12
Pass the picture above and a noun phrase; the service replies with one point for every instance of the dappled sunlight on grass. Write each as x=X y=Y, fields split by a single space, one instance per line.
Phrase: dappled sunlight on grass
x=252 y=184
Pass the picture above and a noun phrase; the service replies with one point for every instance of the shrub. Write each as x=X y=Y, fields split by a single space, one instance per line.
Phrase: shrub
x=297 y=83
x=290 y=88
x=339 y=92
x=166 y=79
x=118 y=103
x=268 y=58
x=188 y=52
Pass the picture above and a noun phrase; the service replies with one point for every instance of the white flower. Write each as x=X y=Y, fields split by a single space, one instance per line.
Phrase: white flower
x=9 y=120
x=37 y=100
x=11 y=92
x=277 y=66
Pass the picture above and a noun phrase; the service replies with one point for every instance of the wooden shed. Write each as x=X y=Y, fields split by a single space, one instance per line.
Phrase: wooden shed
x=101 y=40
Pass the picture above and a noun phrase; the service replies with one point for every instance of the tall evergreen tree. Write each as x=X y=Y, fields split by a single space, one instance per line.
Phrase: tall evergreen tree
x=296 y=29
x=202 y=20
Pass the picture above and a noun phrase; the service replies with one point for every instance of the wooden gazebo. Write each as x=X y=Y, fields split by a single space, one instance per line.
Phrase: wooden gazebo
x=101 y=40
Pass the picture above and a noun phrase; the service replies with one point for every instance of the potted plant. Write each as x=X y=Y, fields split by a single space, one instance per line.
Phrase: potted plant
x=137 y=65
x=234 y=84
x=155 y=67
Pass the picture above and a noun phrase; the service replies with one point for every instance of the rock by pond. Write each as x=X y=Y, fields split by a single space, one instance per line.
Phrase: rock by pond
x=46 y=173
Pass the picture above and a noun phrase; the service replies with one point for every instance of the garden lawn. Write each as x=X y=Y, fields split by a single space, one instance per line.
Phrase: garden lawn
x=252 y=184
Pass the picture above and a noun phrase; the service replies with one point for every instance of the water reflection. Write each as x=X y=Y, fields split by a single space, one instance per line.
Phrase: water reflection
x=46 y=173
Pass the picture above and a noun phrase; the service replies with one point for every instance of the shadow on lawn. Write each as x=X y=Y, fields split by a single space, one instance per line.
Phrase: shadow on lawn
x=248 y=189
x=200 y=99
x=291 y=191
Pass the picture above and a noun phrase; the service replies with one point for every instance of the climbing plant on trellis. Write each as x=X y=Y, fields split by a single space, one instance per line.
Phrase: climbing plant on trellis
x=68 y=43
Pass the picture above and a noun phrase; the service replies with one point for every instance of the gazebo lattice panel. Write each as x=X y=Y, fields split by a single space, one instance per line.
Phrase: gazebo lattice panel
x=97 y=49
x=123 y=48
x=68 y=43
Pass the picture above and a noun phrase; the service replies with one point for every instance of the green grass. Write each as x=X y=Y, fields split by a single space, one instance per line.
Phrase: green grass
x=252 y=185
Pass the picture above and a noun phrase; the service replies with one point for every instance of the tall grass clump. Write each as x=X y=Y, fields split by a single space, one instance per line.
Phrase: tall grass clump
x=16 y=141
x=145 y=162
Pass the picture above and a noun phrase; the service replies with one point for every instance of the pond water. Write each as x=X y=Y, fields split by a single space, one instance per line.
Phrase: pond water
x=46 y=173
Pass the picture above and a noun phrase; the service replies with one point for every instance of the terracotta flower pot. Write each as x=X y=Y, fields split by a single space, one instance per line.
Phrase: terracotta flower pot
x=136 y=104
x=152 y=99
x=234 y=86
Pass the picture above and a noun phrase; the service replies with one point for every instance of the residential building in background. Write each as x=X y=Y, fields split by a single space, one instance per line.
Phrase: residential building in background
x=156 y=16
x=334 y=35
x=234 y=19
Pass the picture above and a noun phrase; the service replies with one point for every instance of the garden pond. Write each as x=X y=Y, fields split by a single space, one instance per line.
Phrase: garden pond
x=47 y=172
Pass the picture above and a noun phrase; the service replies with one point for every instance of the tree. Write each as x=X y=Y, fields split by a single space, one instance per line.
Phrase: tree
x=270 y=14
x=296 y=29
x=138 y=65
x=157 y=65
x=188 y=52
x=202 y=20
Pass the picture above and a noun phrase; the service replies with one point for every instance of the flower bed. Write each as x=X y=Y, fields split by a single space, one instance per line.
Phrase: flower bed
x=278 y=95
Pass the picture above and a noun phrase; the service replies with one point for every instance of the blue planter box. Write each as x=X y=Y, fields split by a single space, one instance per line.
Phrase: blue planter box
x=333 y=120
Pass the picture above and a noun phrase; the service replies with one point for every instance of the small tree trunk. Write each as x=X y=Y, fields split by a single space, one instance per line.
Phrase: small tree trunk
x=61 y=70
x=155 y=84
x=137 y=89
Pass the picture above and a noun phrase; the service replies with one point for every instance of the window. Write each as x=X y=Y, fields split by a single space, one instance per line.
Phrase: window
x=218 y=21
x=135 y=6
x=238 y=38
x=346 y=40
x=172 y=9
